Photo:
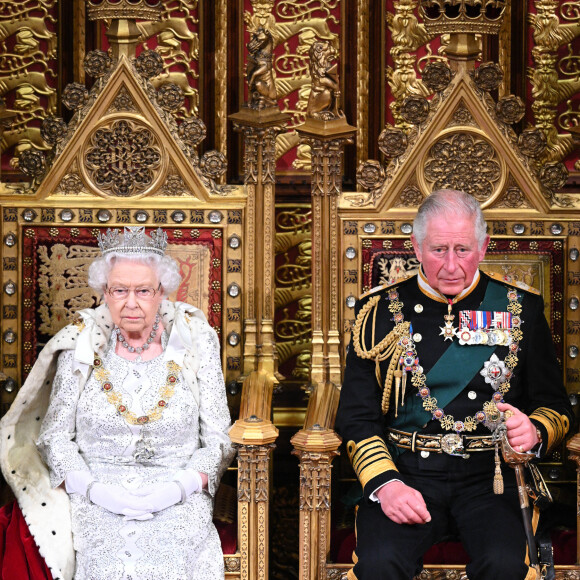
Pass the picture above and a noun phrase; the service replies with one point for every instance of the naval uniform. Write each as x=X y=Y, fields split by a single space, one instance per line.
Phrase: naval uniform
x=505 y=351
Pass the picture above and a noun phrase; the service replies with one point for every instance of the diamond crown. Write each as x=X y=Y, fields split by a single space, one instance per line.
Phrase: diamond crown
x=134 y=240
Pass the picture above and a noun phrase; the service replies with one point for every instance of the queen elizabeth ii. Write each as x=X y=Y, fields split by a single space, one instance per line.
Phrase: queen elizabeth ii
x=128 y=409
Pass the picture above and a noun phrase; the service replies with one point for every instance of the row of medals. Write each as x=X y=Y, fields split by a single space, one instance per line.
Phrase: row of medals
x=483 y=336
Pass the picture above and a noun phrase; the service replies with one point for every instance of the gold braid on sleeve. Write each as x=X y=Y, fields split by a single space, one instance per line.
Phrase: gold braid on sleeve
x=388 y=347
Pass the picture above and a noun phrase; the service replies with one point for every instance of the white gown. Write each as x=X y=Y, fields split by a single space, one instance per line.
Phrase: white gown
x=83 y=430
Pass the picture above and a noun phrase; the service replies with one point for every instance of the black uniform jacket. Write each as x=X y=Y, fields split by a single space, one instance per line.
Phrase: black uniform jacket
x=536 y=386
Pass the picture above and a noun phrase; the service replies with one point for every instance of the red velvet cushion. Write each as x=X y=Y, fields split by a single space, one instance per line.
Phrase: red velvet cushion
x=228 y=535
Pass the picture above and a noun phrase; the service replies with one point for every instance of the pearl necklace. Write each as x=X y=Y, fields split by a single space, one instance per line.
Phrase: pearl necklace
x=138 y=349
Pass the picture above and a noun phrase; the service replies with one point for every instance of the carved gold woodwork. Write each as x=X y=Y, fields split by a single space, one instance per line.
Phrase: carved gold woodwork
x=254 y=436
x=127 y=158
x=293 y=289
x=291 y=67
x=27 y=71
x=548 y=89
x=326 y=140
x=316 y=445
x=260 y=121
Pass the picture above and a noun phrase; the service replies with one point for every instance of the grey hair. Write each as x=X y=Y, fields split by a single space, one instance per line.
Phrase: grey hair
x=165 y=267
x=452 y=203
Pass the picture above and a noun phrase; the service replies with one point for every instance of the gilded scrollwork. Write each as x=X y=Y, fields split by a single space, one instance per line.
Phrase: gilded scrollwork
x=27 y=71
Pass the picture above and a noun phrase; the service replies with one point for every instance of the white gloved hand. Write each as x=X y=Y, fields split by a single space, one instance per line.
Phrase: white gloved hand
x=119 y=500
x=166 y=494
x=78 y=481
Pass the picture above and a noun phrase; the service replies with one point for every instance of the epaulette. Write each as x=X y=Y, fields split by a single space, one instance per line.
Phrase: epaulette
x=512 y=282
x=385 y=286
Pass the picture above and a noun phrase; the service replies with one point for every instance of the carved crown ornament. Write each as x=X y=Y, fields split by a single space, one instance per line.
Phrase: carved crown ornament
x=130 y=9
x=460 y=137
x=462 y=16
x=121 y=138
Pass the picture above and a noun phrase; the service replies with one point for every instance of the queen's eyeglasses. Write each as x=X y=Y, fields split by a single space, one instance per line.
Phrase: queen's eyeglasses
x=141 y=292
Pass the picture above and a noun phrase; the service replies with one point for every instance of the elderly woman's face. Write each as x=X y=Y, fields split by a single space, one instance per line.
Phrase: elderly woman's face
x=133 y=296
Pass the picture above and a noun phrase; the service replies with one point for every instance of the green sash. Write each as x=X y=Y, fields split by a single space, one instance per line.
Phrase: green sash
x=453 y=371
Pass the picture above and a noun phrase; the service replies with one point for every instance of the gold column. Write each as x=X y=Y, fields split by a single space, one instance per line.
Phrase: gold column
x=326 y=140
x=316 y=446
x=254 y=436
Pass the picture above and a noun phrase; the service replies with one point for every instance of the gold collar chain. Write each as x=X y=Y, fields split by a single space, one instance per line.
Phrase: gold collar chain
x=409 y=362
x=116 y=399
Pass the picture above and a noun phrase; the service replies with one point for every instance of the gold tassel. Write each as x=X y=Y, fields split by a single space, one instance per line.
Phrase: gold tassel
x=404 y=389
x=497 y=477
x=397 y=374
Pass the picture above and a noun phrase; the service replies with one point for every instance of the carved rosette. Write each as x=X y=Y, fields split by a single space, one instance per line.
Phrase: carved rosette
x=149 y=64
x=411 y=196
x=414 y=109
x=510 y=109
x=437 y=76
x=370 y=174
x=71 y=184
x=53 y=130
x=213 y=164
x=466 y=162
x=392 y=142
x=170 y=97
x=74 y=96
x=488 y=76
x=97 y=63
x=123 y=101
x=512 y=198
x=192 y=131
x=32 y=163
x=553 y=176
x=123 y=159
x=532 y=142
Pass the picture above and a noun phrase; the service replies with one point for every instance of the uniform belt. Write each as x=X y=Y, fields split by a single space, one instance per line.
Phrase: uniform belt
x=450 y=443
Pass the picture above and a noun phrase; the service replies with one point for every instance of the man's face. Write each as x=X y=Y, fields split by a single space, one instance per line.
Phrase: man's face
x=449 y=253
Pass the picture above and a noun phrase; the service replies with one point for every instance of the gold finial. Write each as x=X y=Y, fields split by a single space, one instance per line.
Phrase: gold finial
x=123 y=33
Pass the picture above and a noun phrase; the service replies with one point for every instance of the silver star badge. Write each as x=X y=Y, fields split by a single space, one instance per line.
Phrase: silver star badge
x=494 y=372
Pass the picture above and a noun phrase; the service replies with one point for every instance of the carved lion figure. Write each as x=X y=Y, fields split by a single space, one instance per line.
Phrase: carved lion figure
x=324 y=99
x=260 y=74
